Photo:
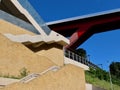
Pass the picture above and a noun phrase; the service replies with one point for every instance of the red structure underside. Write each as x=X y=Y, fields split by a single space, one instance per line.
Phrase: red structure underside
x=81 y=29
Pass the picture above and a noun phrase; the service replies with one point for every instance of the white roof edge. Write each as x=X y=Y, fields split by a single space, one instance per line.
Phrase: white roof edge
x=83 y=16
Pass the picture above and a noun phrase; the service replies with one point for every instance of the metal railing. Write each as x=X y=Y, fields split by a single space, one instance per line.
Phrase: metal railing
x=74 y=56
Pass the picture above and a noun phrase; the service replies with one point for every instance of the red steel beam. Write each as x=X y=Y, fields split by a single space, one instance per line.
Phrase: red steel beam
x=82 y=29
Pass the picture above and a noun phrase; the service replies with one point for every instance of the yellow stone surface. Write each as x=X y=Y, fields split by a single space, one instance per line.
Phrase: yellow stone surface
x=52 y=51
x=6 y=27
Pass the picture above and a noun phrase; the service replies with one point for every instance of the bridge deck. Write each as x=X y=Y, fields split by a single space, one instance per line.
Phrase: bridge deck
x=79 y=29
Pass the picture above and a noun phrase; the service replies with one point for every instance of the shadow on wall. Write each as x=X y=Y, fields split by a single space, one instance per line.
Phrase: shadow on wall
x=44 y=47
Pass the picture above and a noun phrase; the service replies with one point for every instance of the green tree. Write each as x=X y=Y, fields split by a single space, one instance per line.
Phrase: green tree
x=81 y=52
x=115 y=72
x=23 y=72
x=98 y=73
x=115 y=69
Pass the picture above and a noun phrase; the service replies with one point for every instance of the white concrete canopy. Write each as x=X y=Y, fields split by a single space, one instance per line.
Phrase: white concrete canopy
x=23 y=9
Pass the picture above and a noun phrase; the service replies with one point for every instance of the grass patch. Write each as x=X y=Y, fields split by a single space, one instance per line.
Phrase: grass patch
x=23 y=72
x=100 y=83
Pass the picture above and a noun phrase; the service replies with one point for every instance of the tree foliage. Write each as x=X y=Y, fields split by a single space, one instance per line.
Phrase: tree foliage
x=104 y=75
x=115 y=69
x=115 y=72
x=99 y=73
x=81 y=52
x=23 y=72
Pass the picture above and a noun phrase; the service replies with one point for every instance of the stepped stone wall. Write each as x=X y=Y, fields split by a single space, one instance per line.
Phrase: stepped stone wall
x=68 y=78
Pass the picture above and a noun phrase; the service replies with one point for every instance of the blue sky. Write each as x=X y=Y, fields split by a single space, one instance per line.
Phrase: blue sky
x=101 y=47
